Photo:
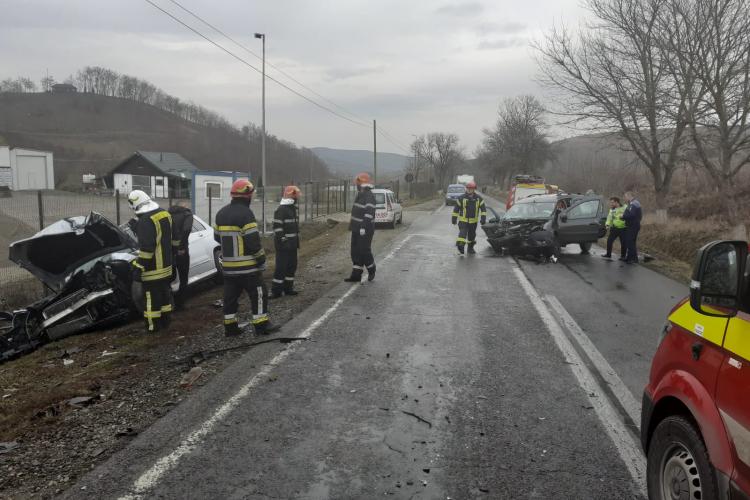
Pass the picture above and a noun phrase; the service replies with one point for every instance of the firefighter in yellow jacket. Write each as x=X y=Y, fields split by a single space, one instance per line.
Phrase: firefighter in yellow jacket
x=153 y=266
x=242 y=260
x=469 y=211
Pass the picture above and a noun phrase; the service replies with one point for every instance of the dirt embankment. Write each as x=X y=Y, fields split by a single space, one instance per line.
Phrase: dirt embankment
x=68 y=406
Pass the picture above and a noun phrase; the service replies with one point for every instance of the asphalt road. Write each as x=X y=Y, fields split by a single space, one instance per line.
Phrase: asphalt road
x=446 y=377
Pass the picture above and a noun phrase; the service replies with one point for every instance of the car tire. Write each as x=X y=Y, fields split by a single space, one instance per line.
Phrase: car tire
x=219 y=277
x=677 y=457
x=585 y=248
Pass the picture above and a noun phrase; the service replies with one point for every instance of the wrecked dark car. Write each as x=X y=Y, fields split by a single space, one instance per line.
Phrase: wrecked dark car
x=84 y=262
x=540 y=225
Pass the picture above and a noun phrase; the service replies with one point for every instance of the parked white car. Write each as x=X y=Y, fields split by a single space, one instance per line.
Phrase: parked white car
x=204 y=252
x=388 y=209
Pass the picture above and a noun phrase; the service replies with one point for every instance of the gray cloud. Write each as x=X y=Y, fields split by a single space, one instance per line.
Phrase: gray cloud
x=502 y=43
x=461 y=9
x=506 y=28
x=352 y=72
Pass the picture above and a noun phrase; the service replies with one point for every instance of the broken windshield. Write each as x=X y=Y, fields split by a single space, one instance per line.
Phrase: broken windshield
x=535 y=210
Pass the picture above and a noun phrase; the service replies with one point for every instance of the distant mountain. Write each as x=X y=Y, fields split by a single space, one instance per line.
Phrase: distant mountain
x=350 y=162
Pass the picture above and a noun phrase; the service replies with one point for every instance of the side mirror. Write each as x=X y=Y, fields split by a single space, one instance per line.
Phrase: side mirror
x=718 y=278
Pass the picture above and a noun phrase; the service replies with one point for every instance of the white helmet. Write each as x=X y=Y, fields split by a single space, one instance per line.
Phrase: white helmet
x=140 y=202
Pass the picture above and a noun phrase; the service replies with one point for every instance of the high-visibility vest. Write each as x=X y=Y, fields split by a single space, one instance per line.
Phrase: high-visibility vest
x=237 y=231
x=469 y=209
x=154 y=232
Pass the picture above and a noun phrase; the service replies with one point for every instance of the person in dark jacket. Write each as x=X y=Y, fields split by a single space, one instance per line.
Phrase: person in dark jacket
x=363 y=228
x=632 y=216
x=469 y=211
x=242 y=260
x=182 y=224
x=286 y=243
x=153 y=265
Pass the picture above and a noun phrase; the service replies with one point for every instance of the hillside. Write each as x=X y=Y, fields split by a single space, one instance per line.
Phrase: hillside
x=349 y=162
x=93 y=133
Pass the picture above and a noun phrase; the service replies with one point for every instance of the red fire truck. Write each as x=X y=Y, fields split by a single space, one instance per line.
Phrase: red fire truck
x=695 y=420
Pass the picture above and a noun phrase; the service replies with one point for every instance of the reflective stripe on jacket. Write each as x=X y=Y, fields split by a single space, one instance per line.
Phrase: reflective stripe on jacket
x=154 y=232
x=469 y=208
x=237 y=231
x=363 y=211
x=614 y=218
x=285 y=227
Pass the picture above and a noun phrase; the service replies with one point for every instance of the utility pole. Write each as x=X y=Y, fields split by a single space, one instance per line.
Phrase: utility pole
x=262 y=36
x=374 y=152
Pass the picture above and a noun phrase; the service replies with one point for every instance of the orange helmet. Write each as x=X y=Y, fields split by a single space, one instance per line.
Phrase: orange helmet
x=363 y=179
x=471 y=185
x=242 y=188
x=292 y=192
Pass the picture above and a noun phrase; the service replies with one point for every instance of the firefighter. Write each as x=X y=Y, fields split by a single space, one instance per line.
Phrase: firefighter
x=469 y=210
x=153 y=266
x=182 y=224
x=286 y=243
x=616 y=227
x=363 y=228
x=242 y=261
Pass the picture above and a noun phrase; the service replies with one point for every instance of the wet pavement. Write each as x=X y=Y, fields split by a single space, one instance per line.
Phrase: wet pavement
x=446 y=377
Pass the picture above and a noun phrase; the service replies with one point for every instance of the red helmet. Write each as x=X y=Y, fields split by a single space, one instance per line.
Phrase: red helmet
x=471 y=185
x=363 y=179
x=242 y=188
x=292 y=192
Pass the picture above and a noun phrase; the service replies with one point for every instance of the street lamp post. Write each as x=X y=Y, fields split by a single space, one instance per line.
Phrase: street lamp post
x=262 y=36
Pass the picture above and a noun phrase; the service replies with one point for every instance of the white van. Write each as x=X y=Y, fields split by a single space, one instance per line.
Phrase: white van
x=387 y=208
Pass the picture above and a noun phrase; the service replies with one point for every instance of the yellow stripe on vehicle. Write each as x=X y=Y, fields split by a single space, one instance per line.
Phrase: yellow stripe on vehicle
x=737 y=339
x=710 y=328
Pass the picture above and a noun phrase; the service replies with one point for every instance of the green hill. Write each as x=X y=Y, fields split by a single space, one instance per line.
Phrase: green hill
x=91 y=133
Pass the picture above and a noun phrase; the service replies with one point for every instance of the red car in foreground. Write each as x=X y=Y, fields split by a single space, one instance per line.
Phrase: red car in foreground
x=695 y=419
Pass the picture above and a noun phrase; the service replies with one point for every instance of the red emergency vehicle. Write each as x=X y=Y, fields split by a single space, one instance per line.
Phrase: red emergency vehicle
x=695 y=419
x=524 y=186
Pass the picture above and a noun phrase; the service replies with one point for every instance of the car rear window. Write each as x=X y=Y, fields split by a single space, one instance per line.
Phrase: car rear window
x=379 y=198
x=456 y=189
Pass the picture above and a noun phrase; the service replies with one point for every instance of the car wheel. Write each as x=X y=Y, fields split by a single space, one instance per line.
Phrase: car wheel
x=585 y=248
x=219 y=277
x=678 y=465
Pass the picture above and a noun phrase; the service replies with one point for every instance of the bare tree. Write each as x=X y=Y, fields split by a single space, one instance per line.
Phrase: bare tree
x=47 y=82
x=442 y=152
x=416 y=165
x=717 y=62
x=518 y=143
x=612 y=78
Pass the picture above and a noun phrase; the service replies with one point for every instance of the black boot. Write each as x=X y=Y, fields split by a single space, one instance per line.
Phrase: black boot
x=356 y=276
x=291 y=292
x=275 y=294
x=460 y=249
x=371 y=272
x=266 y=328
x=471 y=250
x=232 y=330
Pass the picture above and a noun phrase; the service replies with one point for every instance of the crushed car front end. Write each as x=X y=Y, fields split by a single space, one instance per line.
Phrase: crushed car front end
x=84 y=263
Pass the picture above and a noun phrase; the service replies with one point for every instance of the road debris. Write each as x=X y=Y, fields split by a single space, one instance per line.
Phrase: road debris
x=81 y=401
x=128 y=432
x=190 y=377
x=8 y=446
x=201 y=356
x=67 y=362
x=417 y=417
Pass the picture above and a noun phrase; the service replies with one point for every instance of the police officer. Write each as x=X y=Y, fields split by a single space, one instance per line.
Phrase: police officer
x=182 y=224
x=616 y=227
x=153 y=266
x=286 y=243
x=469 y=210
x=242 y=261
x=363 y=228
x=632 y=216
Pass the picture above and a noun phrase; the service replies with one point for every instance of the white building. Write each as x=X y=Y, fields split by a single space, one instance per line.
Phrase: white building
x=213 y=186
x=26 y=169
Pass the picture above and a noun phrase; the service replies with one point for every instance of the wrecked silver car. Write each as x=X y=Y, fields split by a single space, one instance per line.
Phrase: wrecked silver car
x=84 y=262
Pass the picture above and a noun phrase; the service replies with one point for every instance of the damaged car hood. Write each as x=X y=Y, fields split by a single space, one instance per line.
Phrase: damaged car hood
x=55 y=253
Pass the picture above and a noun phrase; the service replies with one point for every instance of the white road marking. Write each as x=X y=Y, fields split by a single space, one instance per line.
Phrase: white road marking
x=165 y=464
x=623 y=394
x=151 y=477
x=624 y=442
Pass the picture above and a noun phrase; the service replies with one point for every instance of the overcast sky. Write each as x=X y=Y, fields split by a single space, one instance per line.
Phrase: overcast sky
x=414 y=65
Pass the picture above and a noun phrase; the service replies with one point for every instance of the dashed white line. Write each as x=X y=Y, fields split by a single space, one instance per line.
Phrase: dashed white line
x=624 y=441
x=610 y=376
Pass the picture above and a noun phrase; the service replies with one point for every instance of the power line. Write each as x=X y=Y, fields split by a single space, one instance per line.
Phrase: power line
x=388 y=137
x=243 y=47
x=243 y=61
